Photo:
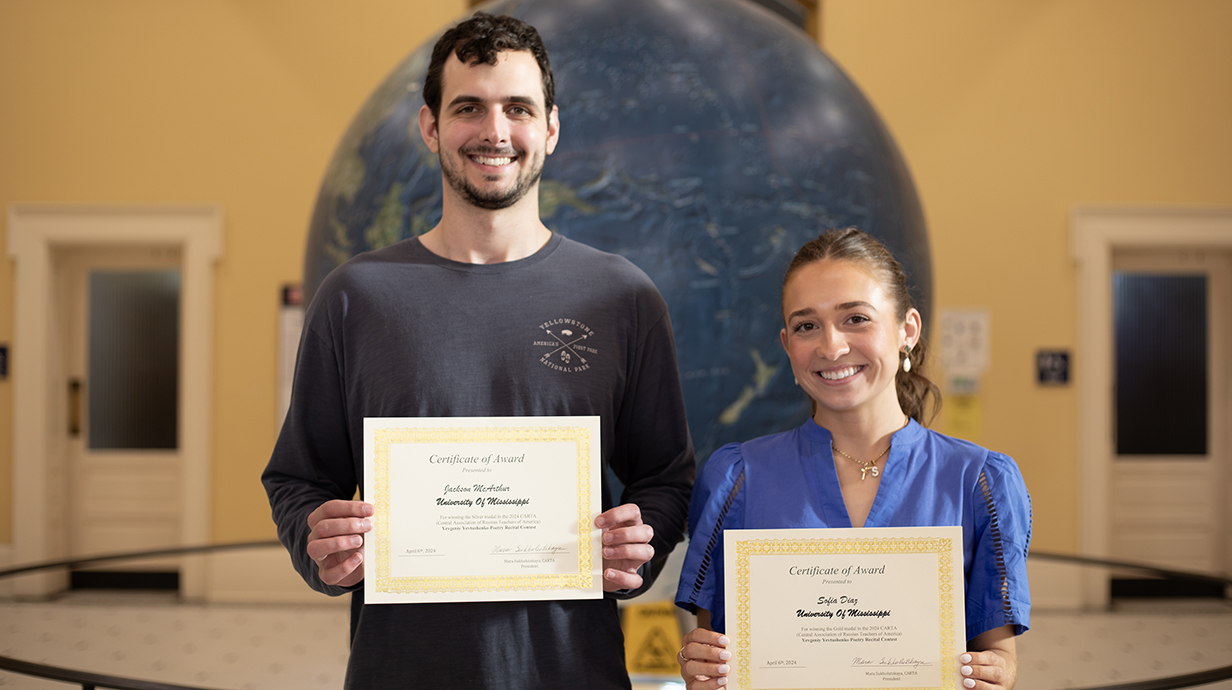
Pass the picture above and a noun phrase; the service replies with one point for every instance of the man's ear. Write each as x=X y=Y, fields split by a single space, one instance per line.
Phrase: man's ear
x=553 y=129
x=427 y=129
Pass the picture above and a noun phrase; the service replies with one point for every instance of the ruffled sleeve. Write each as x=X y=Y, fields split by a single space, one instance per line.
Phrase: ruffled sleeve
x=997 y=592
x=717 y=503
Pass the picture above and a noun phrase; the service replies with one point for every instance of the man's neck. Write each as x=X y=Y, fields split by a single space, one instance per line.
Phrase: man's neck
x=471 y=235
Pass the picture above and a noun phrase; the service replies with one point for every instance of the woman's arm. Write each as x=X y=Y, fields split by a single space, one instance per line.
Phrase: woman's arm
x=703 y=659
x=991 y=662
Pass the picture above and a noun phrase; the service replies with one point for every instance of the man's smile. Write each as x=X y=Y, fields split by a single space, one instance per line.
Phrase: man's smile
x=495 y=162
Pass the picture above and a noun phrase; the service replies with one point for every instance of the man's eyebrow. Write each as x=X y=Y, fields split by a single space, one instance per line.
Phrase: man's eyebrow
x=466 y=98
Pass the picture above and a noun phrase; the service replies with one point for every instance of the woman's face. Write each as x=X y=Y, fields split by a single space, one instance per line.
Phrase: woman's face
x=843 y=336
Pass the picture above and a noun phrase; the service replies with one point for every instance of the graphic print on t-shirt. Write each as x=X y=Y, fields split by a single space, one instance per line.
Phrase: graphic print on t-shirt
x=568 y=343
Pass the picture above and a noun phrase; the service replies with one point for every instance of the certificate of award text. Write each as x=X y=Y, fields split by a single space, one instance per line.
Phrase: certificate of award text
x=845 y=608
x=482 y=509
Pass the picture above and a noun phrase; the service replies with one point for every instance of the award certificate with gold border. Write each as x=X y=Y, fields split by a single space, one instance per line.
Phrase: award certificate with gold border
x=845 y=608
x=482 y=509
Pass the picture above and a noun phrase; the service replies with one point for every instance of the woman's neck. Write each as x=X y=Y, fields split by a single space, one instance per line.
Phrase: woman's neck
x=865 y=432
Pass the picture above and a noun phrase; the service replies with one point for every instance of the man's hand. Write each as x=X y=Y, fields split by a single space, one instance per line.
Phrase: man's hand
x=335 y=540
x=626 y=546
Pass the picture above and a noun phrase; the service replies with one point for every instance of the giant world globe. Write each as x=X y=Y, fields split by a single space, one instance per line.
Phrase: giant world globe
x=704 y=140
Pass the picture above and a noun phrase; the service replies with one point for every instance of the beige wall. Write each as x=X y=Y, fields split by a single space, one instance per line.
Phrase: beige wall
x=238 y=104
x=1009 y=114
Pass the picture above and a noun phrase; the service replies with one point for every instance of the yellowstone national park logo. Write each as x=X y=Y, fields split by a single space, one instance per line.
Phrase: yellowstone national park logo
x=567 y=346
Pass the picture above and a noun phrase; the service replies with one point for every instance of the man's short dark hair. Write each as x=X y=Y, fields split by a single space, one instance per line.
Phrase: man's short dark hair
x=481 y=39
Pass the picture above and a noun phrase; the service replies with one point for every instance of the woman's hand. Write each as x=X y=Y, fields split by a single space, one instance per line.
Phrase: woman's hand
x=992 y=662
x=703 y=660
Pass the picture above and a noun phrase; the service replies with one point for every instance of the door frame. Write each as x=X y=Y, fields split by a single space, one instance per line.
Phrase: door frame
x=35 y=233
x=1096 y=232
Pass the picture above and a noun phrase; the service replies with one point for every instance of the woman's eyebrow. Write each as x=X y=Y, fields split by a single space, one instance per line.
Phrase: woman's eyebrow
x=853 y=305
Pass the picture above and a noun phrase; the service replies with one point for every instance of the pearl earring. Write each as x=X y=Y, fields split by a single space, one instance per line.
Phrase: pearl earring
x=906 y=358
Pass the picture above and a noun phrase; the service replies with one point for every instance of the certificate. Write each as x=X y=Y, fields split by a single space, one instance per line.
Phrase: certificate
x=845 y=608
x=482 y=509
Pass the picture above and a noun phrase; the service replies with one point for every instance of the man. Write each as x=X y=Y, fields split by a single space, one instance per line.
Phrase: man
x=456 y=323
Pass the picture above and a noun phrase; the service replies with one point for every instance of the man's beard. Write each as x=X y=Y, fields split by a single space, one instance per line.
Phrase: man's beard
x=497 y=199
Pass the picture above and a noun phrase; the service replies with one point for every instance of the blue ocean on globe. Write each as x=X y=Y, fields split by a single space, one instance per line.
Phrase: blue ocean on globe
x=704 y=140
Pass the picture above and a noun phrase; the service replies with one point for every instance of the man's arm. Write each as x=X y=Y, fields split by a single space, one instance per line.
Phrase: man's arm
x=653 y=455
x=312 y=467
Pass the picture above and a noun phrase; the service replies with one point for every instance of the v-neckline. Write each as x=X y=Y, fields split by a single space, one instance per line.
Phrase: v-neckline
x=831 y=493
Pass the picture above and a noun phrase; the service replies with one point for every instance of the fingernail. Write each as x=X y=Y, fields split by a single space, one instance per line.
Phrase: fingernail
x=607 y=553
x=357 y=541
x=724 y=641
x=968 y=683
x=724 y=668
x=359 y=556
x=609 y=574
x=965 y=658
x=607 y=538
x=722 y=680
x=724 y=655
x=365 y=524
x=601 y=522
x=966 y=670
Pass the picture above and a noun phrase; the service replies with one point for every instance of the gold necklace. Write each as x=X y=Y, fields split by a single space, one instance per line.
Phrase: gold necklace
x=865 y=467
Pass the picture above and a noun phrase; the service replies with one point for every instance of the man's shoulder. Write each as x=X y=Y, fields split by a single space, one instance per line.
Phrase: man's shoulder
x=598 y=264
x=374 y=266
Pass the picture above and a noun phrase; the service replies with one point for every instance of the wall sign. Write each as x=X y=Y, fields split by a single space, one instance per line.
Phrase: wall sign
x=1052 y=367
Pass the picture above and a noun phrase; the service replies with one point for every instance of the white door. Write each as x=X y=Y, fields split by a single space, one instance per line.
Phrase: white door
x=1171 y=368
x=119 y=312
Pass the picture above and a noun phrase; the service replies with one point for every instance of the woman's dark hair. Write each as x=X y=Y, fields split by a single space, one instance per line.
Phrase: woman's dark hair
x=917 y=395
x=481 y=39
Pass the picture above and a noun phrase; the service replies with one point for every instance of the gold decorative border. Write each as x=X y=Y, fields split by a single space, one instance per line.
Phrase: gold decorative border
x=384 y=438
x=877 y=545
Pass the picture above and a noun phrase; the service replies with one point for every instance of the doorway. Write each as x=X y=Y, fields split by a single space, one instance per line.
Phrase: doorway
x=1170 y=393
x=1133 y=504
x=118 y=309
x=38 y=236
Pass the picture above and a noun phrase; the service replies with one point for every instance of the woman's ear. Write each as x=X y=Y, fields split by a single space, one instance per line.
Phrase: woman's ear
x=912 y=327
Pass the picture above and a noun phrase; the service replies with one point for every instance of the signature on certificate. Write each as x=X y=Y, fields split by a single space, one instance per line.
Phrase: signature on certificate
x=892 y=661
x=540 y=549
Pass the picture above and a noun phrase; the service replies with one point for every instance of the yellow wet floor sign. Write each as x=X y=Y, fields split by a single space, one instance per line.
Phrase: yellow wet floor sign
x=652 y=638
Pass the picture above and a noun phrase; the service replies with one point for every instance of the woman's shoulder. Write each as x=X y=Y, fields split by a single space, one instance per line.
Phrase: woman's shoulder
x=723 y=467
x=961 y=451
x=728 y=461
x=771 y=442
x=997 y=468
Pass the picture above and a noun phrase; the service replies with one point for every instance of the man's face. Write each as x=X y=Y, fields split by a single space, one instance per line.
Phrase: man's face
x=493 y=132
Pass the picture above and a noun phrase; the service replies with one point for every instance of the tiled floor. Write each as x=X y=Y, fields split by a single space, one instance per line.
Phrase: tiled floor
x=271 y=647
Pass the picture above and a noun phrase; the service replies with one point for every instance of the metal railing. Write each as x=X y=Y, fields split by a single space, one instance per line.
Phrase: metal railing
x=86 y=679
x=90 y=681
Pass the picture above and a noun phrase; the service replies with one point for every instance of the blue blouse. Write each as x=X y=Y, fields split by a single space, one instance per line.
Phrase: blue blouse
x=789 y=480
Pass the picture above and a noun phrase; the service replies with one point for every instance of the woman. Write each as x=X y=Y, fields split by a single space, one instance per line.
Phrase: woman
x=862 y=460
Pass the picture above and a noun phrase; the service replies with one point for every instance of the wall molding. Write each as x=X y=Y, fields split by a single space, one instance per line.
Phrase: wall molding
x=1095 y=233
x=34 y=233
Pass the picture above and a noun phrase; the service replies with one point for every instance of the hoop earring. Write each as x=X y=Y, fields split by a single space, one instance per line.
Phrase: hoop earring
x=906 y=358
